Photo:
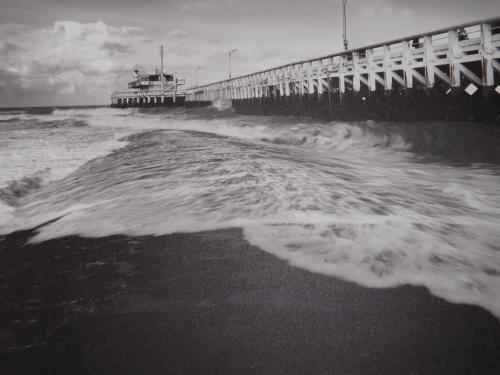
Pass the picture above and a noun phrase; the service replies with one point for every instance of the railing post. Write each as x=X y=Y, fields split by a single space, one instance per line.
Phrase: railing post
x=310 y=83
x=429 y=62
x=486 y=54
x=319 y=78
x=387 y=68
x=371 y=70
x=282 y=81
x=407 y=64
x=454 y=54
x=356 y=81
x=342 y=70
x=287 y=82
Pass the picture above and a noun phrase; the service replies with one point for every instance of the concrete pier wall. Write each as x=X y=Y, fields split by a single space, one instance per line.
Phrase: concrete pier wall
x=396 y=105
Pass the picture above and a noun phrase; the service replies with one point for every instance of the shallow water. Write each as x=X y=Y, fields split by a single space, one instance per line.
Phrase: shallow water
x=378 y=204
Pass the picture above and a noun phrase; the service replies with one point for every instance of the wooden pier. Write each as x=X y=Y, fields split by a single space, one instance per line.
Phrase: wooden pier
x=447 y=74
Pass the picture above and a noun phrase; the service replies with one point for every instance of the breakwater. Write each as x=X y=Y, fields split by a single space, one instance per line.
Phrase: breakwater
x=447 y=74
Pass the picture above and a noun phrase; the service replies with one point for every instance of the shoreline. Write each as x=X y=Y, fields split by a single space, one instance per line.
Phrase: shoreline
x=209 y=302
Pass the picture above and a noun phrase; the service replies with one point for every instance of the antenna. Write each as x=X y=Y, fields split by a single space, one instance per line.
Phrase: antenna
x=346 y=43
x=161 y=69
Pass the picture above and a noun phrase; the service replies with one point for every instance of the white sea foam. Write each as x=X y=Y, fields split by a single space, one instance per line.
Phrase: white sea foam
x=6 y=213
x=222 y=104
x=50 y=153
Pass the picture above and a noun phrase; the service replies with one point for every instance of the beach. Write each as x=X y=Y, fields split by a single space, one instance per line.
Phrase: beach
x=210 y=303
x=199 y=241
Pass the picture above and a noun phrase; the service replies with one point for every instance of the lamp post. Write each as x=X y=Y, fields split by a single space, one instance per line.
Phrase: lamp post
x=175 y=88
x=162 y=80
x=229 y=57
x=346 y=43
x=196 y=72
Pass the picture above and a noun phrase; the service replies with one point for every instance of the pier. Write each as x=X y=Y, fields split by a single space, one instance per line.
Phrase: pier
x=447 y=74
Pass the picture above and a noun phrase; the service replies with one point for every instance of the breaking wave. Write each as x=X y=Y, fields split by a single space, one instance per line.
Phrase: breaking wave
x=19 y=188
x=377 y=204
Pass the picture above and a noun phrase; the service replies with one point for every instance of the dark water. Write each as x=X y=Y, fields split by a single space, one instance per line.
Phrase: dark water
x=378 y=204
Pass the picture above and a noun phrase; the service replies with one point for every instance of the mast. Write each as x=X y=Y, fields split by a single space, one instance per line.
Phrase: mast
x=161 y=69
x=346 y=43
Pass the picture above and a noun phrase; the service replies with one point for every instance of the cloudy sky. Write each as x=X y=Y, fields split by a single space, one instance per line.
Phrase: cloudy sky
x=64 y=52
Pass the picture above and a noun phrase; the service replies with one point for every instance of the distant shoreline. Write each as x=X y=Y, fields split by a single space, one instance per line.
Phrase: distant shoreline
x=54 y=106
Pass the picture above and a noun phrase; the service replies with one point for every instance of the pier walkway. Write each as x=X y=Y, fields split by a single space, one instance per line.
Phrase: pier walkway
x=448 y=74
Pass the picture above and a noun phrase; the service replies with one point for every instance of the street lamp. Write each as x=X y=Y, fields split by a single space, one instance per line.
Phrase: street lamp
x=229 y=55
x=196 y=72
x=346 y=43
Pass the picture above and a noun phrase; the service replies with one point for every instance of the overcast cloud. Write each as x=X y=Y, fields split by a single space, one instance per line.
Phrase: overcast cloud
x=76 y=52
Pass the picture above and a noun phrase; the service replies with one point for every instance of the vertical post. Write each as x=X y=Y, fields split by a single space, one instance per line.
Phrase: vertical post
x=454 y=54
x=407 y=64
x=274 y=83
x=310 y=83
x=356 y=81
x=387 y=68
x=429 y=62
x=198 y=68
x=161 y=69
x=287 y=83
x=302 y=83
x=346 y=43
x=229 y=57
x=487 y=53
x=371 y=70
x=342 y=75
x=320 y=82
x=175 y=87
x=281 y=82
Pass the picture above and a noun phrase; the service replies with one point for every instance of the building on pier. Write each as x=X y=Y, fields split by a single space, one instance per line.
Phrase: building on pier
x=149 y=90
x=448 y=74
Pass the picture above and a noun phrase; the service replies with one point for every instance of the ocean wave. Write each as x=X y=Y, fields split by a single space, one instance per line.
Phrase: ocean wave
x=456 y=142
x=350 y=200
x=9 y=118
x=19 y=188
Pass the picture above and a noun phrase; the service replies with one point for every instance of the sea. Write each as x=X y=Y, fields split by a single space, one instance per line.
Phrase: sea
x=377 y=204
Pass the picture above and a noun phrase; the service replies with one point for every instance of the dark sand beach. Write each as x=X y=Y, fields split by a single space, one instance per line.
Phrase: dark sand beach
x=210 y=303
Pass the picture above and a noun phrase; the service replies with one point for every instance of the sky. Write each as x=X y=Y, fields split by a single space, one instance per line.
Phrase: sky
x=77 y=52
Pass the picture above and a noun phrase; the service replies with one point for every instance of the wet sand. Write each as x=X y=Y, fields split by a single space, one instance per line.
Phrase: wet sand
x=210 y=303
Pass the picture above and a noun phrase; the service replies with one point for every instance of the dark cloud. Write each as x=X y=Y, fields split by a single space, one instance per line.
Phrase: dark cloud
x=68 y=58
x=9 y=47
x=18 y=85
x=116 y=48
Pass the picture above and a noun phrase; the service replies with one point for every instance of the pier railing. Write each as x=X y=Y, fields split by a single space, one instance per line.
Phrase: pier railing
x=462 y=56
